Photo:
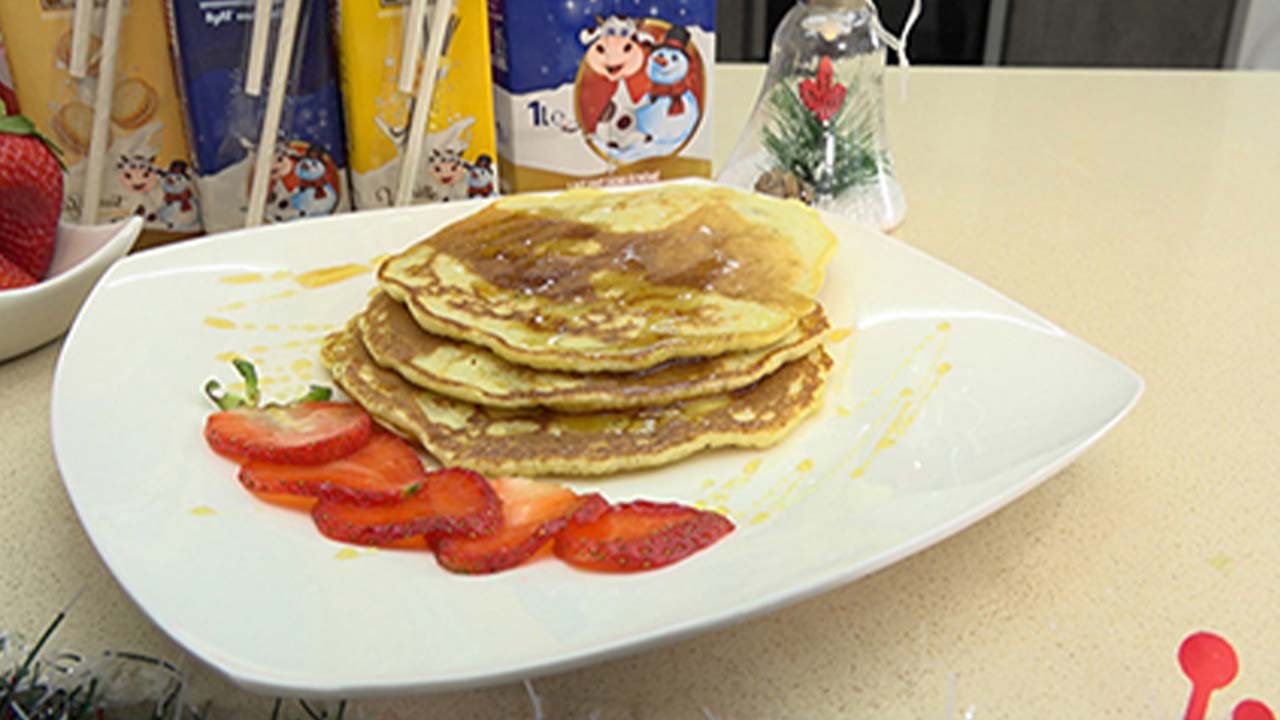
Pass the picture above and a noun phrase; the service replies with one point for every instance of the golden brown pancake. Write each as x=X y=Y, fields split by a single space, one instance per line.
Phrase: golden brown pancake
x=469 y=372
x=590 y=281
x=544 y=442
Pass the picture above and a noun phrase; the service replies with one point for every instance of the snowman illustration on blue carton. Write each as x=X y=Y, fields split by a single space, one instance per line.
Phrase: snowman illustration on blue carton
x=316 y=194
x=673 y=112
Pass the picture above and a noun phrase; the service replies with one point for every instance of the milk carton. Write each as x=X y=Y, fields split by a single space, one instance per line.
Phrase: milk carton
x=7 y=95
x=458 y=162
x=605 y=92
x=147 y=169
x=309 y=165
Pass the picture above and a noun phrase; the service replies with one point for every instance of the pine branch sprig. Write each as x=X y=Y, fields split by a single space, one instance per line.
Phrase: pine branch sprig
x=831 y=157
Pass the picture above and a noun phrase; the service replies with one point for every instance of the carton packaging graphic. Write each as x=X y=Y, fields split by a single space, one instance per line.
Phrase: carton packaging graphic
x=458 y=161
x=148 y=161
x=308 y=172
x=7 y=95
x=601 y=92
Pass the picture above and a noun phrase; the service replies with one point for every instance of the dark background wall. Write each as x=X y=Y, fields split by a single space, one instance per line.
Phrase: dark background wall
x=1149 y=33
x=1084 y=33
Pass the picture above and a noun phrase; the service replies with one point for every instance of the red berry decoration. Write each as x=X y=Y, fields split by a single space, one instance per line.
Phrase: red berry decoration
x=820 y=94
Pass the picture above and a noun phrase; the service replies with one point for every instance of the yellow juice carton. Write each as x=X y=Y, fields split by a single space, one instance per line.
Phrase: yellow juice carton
x=148 y=162
x=605 y=92
x=458 y=162
x=7 y=96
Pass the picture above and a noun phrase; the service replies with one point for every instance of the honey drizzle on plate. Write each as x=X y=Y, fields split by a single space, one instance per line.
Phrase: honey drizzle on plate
x=791 y=485
x=278 y=367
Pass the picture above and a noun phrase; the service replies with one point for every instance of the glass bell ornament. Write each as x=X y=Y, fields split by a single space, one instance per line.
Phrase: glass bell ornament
x=817 y=132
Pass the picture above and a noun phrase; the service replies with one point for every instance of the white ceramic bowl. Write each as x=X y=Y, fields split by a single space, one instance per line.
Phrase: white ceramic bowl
x=32 y=316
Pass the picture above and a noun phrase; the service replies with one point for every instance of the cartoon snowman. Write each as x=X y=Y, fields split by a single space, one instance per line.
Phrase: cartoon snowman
x=480 y=178
x=315 y=194
x=672 y=112
x=181 y=210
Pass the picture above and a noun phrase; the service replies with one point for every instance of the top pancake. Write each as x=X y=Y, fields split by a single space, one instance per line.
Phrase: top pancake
x=593 y=281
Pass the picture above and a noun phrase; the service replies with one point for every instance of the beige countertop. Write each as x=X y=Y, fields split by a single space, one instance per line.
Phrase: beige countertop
x=1139 y=211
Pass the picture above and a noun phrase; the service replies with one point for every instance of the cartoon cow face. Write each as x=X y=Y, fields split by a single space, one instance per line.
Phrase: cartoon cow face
x=138 y=173
x=446 y=167
x=615 y=47
x=283 y=163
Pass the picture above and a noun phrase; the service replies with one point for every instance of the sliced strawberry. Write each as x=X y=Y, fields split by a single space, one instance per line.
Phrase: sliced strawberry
x=449 y=502
x=379 y=473
x=292 y=502
x=309 y=433
x=640 y=535
x=532 y=513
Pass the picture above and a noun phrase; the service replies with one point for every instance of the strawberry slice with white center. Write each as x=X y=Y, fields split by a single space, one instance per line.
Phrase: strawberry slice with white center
x=308 y=431
x=384 y=471
x=450 y=502
x=532 y=513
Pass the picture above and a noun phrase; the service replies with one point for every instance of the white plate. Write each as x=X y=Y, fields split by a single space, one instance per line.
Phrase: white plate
x=34 y=315
x=947 y=403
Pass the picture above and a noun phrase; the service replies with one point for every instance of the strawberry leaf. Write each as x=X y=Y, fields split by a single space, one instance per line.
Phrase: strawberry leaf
x=223 y=400
x=252 y=393
x=17 y=125
x=315 y=393
x=250 y=375
x=230 y=401
x=21 y=125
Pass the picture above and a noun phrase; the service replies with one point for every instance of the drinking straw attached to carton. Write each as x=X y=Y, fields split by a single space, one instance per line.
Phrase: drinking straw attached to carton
x=258 y=47
x=440 y=19
x=81 y=36
x=412 y=46
x=99 y=137
x=271 y=116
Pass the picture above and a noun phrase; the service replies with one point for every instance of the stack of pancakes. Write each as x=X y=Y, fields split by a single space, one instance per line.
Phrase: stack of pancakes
x=589 y=332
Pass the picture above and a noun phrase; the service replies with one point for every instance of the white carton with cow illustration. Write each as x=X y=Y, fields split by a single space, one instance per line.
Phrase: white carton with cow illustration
x=595 y=93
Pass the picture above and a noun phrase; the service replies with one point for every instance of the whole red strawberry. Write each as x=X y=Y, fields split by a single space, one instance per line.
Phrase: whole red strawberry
x=30 y=196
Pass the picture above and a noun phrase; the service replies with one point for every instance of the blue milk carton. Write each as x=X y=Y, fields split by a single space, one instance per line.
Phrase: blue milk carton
x=309 y=170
